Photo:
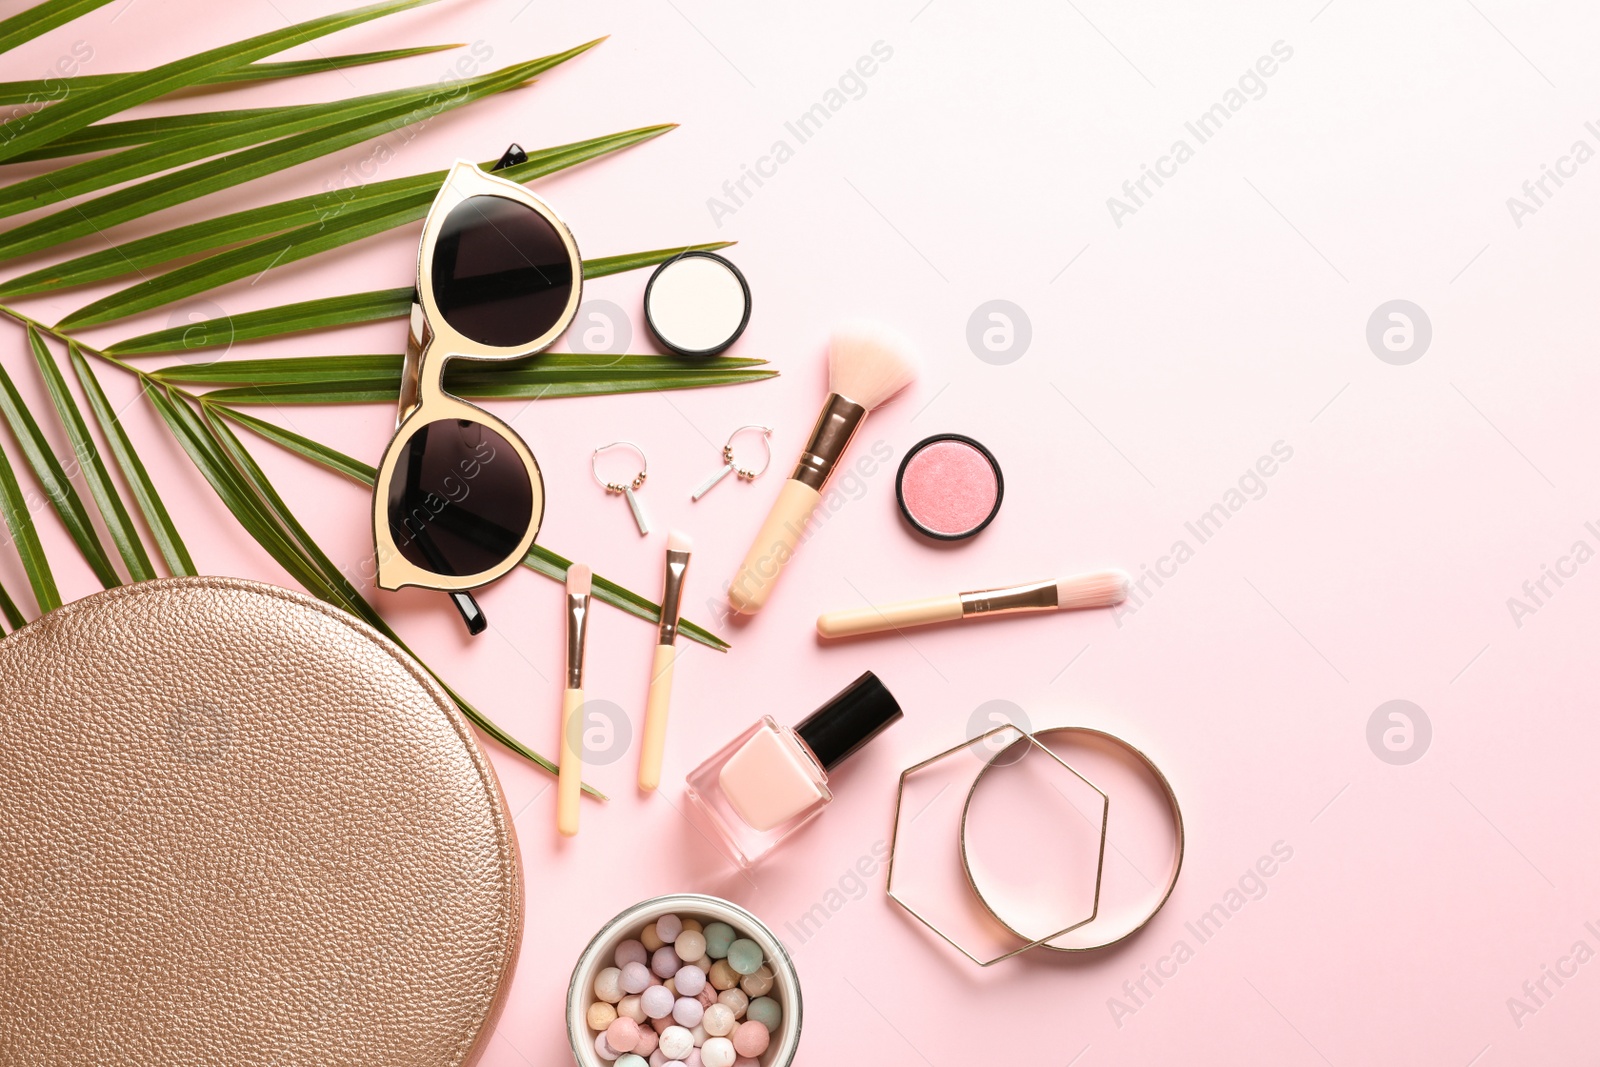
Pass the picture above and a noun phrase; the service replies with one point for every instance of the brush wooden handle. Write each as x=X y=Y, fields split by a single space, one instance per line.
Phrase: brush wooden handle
x=871 y=620
x=570 y=772
x=655 y=717
x=772 y=547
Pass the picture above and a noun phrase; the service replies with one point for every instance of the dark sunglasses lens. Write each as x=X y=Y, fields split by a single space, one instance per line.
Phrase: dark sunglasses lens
x=501 y=273
x=460 y=499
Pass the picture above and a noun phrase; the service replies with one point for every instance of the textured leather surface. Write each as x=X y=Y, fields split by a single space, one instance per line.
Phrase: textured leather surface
x=241 y=828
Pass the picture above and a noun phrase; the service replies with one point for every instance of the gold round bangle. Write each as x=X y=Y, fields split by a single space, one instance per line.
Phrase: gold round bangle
x=1034 y=738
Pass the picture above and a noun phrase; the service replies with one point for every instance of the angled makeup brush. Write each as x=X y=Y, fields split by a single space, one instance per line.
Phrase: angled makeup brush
x=1101 y=589
x=570 y=769
x=655 y=712
x=867 y=364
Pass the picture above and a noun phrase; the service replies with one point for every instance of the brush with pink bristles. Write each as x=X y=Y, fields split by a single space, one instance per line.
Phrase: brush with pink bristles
x=1102 y=589
x=867 y=364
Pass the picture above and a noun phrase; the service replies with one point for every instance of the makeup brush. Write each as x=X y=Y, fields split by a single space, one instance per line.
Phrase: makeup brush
x=867 y=364
x=570 y=769
x=1101 y=589
x=655 y=711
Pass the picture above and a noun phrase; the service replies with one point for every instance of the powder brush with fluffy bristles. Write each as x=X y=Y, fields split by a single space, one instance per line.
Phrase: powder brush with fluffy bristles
x=867 y=364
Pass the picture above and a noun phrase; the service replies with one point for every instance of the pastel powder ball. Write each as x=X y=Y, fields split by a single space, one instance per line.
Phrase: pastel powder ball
x=608 y=985
x=718 y=937
x=676 y=1042
x=657 y=1002
x=665 y=962
x=949 y=488
x=765 y=1011
x=687 y=1011
x=689 y=981
x=751 y=1038
x=622 y=1034
x=744 y=956
x=690 y=945
x=631 y=951
x=635 y=978
x=718 y=1052
x=718 y=1020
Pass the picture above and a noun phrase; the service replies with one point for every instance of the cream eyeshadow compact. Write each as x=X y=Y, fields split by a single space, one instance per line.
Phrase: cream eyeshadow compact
x=697 y=304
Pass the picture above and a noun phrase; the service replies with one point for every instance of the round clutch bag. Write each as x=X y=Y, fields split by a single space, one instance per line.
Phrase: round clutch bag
x=242 y=828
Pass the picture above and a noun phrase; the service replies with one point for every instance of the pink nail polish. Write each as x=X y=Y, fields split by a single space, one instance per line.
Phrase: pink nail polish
x=771 y=780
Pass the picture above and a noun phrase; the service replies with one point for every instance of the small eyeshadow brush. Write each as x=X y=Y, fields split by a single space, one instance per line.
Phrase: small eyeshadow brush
x=570 y=770
x=655 y=714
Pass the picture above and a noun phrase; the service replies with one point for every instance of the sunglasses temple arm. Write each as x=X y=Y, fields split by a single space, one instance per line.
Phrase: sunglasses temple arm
x=471 y=613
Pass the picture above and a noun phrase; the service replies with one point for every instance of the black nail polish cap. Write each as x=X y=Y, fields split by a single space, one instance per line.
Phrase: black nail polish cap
x=852 y=718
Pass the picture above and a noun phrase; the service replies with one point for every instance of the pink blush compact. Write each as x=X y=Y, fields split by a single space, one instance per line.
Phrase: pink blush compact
x=949 y=487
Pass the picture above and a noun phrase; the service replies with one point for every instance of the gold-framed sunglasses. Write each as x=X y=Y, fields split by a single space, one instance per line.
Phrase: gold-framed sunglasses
x=459 y=497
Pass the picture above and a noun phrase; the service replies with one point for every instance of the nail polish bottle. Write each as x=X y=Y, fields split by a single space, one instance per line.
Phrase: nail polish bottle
x=771 y=780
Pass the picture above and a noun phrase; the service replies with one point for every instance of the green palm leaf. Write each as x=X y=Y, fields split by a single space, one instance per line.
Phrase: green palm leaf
x=105 y=136
x=28 y=91
x=80 y=109
x=338 y=462
x=19 y=520
x=41 y=18
x=106 y=498
x=169 y=190
x=58 y=488
x=205 y=140
x=156 y=517
x=343 y=310
x=9 y=608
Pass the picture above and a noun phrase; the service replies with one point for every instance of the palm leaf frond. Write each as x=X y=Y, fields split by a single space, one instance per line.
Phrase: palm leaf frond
x=19 y=520
x=104 y=491
x=202 y=136
x=42 y=18
x=179 y=187
x=9 y=607
x=24 y=92
x=156 y=517
x=78 y=110
x=52 y=477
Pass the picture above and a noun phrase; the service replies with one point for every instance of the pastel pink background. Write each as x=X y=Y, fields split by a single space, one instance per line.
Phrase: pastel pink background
x=1167 y=356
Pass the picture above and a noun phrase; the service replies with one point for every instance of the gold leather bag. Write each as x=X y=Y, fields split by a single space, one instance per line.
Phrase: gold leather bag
x=239 y=827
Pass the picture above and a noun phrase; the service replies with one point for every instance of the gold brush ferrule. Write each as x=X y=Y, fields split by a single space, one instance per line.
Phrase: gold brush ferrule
x=577 y=630
x=671 y=595
x=829 y=438
x=1035 y=596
